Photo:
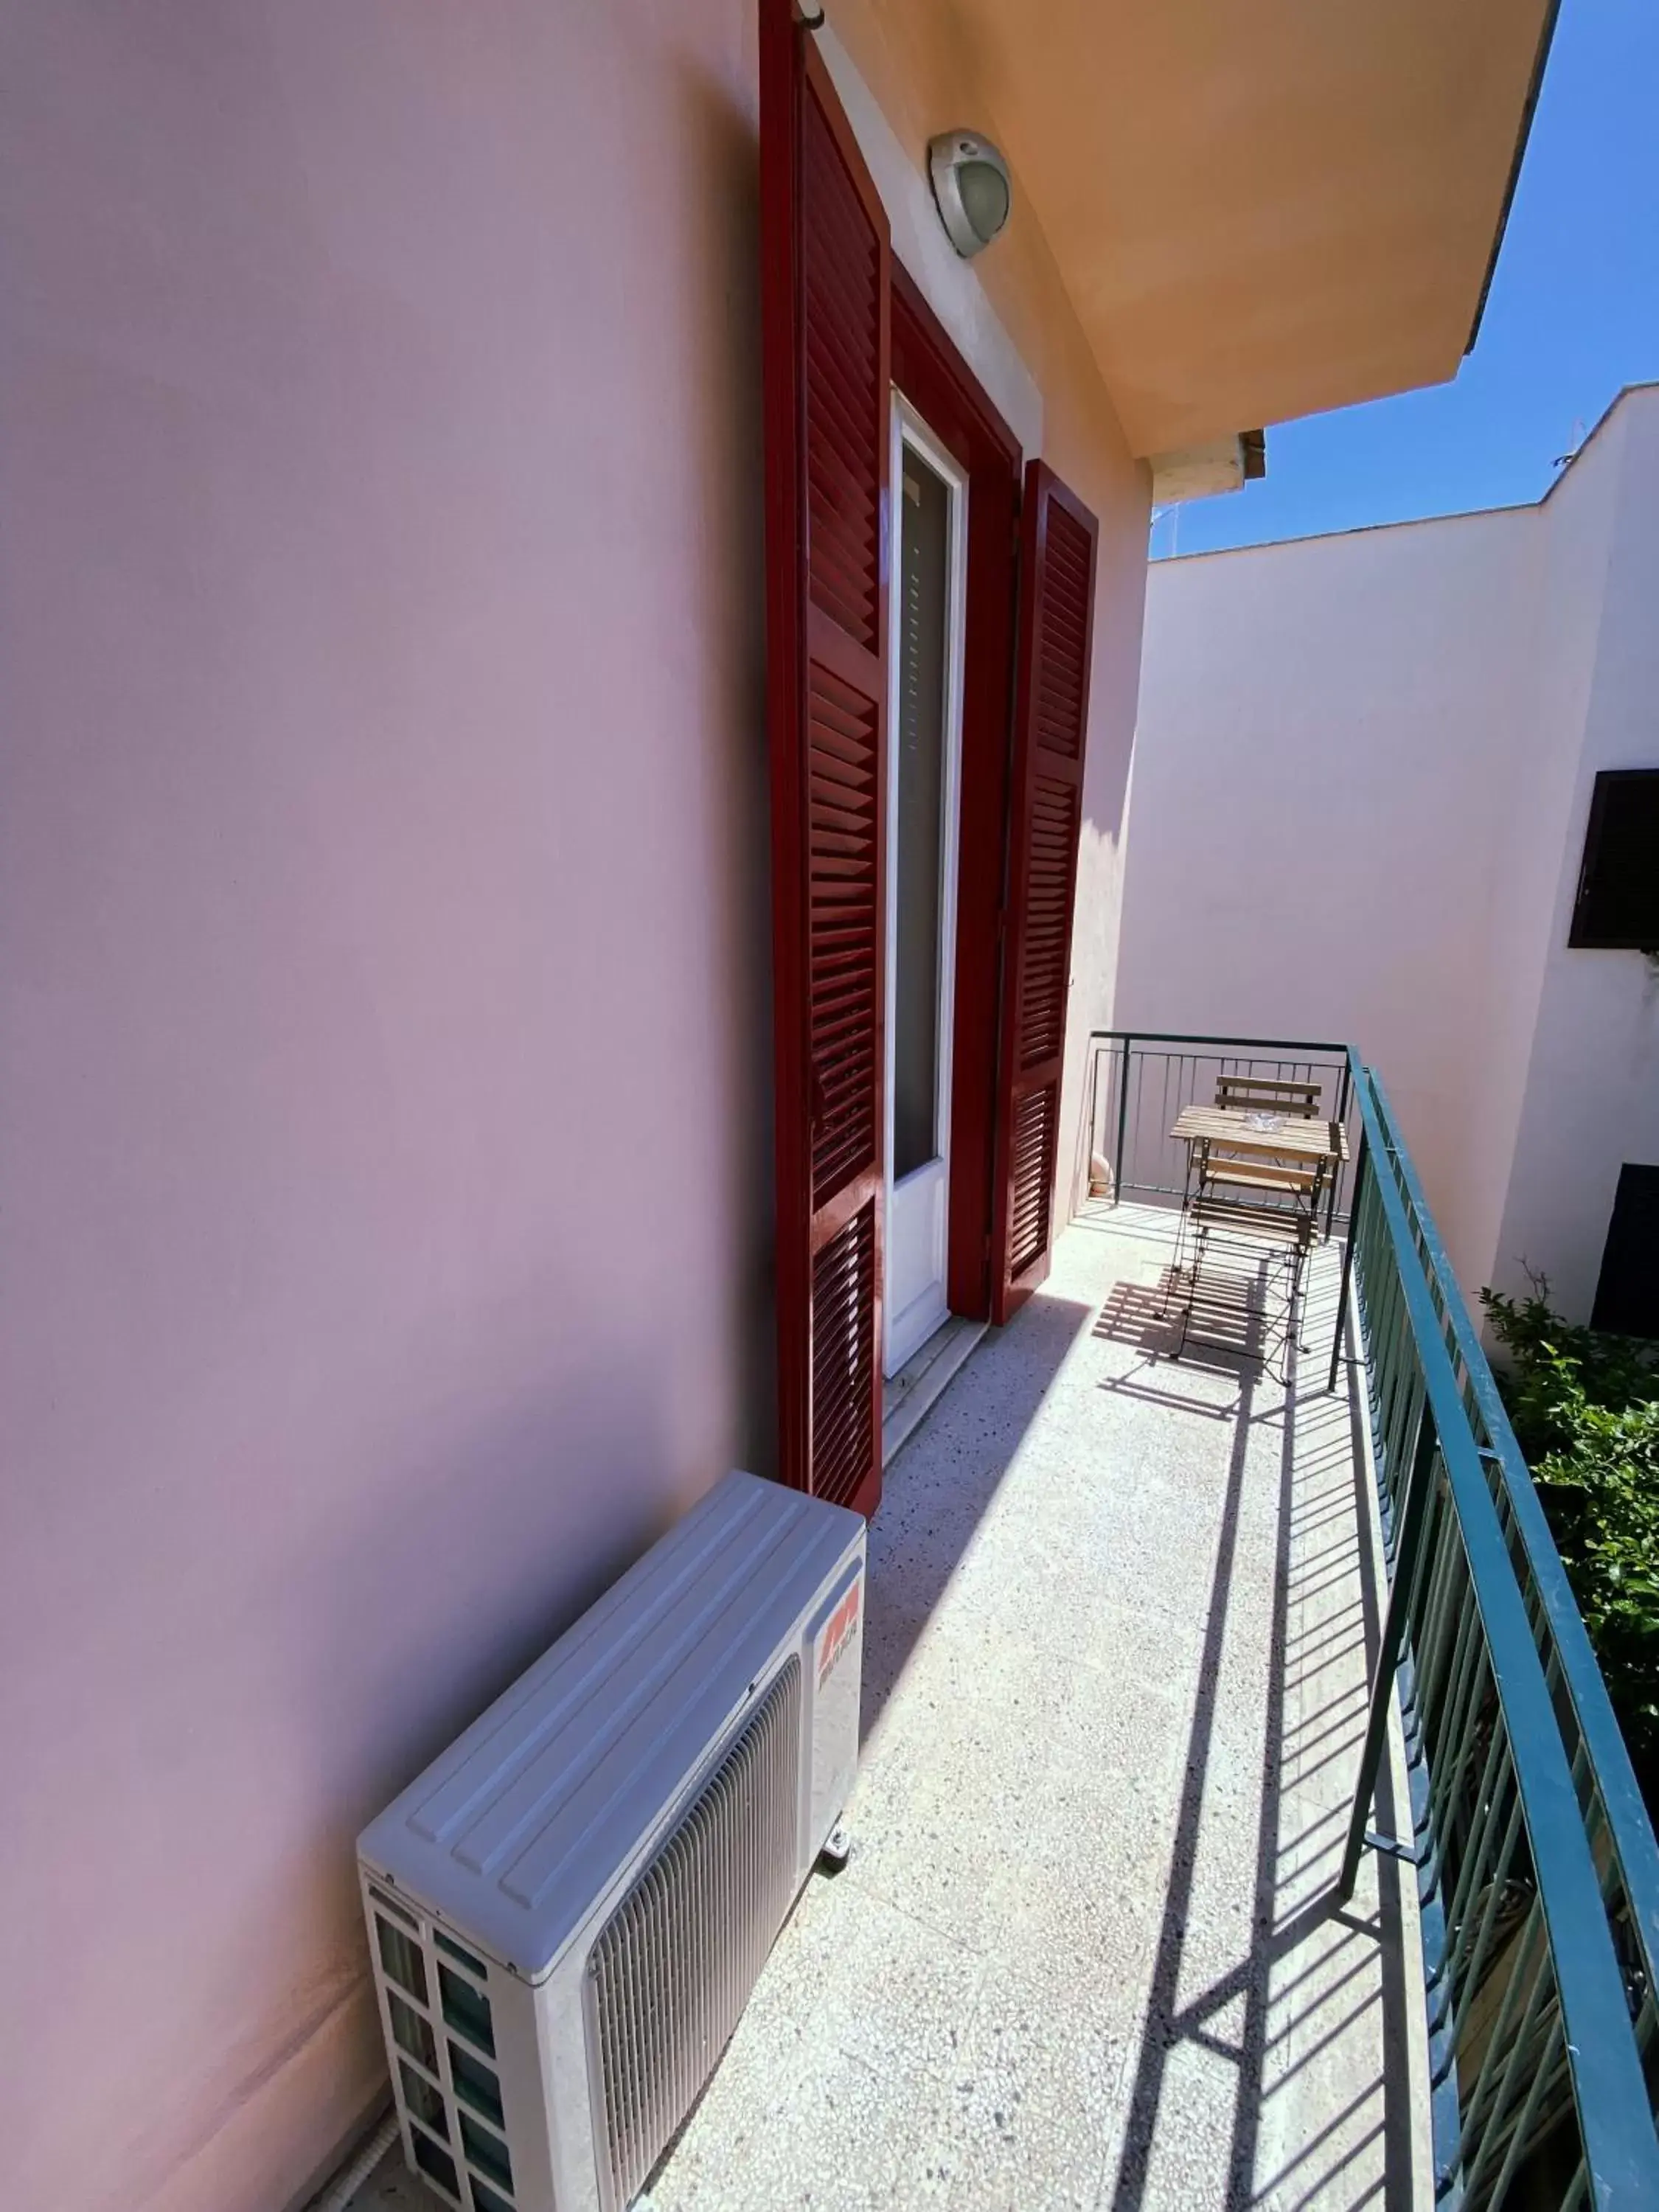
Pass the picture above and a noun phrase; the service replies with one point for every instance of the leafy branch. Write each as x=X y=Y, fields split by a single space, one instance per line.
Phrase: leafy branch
x=1585 y=1406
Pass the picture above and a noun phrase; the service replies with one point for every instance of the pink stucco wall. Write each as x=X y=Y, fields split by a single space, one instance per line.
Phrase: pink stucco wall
x=383 y=931
x=383 y=976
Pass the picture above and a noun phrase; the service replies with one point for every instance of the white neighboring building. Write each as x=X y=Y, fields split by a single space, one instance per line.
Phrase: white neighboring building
x=1362 y=773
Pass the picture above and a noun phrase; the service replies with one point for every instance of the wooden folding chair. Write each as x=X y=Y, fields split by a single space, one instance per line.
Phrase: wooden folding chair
x=1270 y=1094
x=1262 y=1230
x=1253 y=1206
x=1270 y=1181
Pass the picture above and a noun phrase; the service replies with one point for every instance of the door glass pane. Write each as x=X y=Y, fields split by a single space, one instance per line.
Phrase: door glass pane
x=918 y=845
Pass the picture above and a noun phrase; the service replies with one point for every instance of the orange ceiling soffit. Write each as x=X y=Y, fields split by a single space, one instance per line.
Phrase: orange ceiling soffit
x=1260 y=210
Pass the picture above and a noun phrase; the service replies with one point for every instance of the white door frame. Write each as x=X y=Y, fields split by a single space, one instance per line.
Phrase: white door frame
x=904 y=1331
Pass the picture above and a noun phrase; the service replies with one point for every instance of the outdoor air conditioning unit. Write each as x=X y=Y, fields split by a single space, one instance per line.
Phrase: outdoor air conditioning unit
x=568 y=1910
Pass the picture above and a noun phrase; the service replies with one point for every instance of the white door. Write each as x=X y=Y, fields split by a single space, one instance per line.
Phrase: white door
x=923 y=755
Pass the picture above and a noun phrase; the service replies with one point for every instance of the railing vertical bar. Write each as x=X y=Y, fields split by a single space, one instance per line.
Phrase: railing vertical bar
x=1094 y=1109
x=1387 y=1658
x=1405 y=1399
x=1164 y=1167
x=1489 y=2097
x=1517 y=2132
x=1486 y=1800
x=1437 y=1621
x=1440 y=1558
x=1347 y=1260
x=1397 y=1342
x=1486 y=1927
x=1466 y=1687
x=1501 y=2038
x=1342 y=1098
x=1382 y=1310
x=1122 y=1120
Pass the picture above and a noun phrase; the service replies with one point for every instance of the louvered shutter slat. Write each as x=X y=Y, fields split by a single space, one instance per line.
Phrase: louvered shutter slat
x=1058 y=538
x=824 y=310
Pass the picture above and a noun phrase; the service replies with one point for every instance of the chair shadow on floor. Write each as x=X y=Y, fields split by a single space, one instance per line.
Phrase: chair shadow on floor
x=1225 y=1339
x=1226 y=1310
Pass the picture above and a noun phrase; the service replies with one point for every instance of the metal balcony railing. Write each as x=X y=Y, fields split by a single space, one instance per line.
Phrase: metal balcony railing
x=1138 y=1085
x=1537 y=1869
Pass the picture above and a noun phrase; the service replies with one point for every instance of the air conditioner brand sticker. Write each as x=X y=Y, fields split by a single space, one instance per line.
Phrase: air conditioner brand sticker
x=838 y=1631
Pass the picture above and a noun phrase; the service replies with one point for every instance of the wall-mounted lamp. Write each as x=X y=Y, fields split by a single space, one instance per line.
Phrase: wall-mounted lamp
x=970 y=186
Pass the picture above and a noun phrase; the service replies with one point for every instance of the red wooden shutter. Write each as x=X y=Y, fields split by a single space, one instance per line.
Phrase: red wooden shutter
x=1051 y=718
x=824 y=313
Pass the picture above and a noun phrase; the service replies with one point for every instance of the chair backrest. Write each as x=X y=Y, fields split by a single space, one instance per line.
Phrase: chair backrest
x=1275 y=1094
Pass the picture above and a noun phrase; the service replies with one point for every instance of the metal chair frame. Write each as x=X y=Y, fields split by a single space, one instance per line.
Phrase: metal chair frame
x=1259 y=1225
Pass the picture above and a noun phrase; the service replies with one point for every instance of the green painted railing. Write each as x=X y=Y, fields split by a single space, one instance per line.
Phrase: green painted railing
x=1537 y=1870
x=1538 y=1874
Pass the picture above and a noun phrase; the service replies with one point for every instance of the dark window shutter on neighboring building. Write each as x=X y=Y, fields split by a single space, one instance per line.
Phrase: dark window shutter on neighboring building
x=1627 y=1293
x=1058 y=538
x=825 y=310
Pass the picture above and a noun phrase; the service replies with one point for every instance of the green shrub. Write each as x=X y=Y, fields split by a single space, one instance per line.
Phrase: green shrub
x=1585 y=1407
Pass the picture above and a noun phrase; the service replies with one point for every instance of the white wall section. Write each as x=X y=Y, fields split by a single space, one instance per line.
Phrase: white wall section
x=1362 y=771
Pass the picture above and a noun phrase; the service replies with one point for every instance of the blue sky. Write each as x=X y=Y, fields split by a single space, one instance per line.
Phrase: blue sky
x=1573 y=314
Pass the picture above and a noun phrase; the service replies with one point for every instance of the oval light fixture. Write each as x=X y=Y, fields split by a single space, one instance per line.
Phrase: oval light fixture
x=970 y=187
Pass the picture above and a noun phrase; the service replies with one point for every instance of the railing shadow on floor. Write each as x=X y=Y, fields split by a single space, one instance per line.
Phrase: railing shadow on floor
x=1534 y=1863
x=1295 y=1987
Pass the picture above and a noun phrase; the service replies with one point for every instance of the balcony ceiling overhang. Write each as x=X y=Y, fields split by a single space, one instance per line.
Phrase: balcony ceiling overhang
x=1262 y=208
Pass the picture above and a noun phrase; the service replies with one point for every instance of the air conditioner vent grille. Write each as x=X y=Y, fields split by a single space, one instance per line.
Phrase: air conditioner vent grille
x=674 y=1965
